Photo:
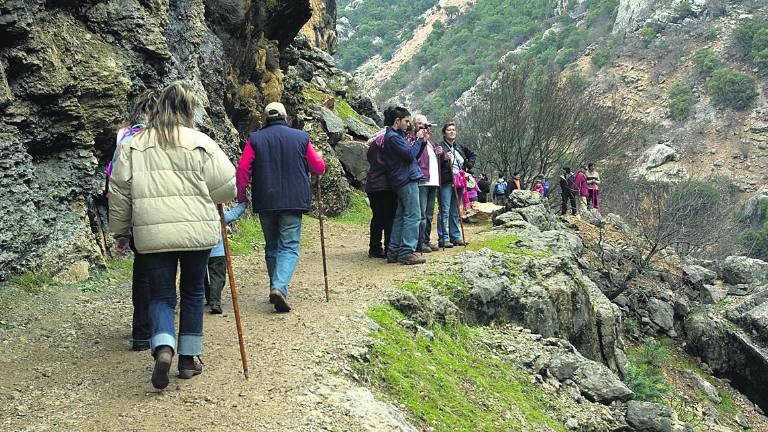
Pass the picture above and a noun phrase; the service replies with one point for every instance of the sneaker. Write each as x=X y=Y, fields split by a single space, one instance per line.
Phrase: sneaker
x=412 y=259
x=140 y=345
x=378 y=254
x=445 y=245
x=278 y=299
x=459 y=243
x=163 y=357
x=434 y=247
x=188 y=368
x=216 y=309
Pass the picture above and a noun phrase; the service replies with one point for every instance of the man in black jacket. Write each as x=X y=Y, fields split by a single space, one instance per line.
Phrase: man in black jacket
x=566 y=189
x=484 y=188
x=455 y=157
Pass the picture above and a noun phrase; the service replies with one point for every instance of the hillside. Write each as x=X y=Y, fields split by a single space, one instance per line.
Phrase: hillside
x=658 y=58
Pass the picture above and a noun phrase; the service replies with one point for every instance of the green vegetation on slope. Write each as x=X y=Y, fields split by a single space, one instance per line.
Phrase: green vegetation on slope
x=452 y=58
x=380 y=26
x=680 y=101
x=453 y=382
x=358 y=213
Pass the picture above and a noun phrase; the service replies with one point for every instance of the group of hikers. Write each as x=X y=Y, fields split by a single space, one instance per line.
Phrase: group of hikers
x=165 y=182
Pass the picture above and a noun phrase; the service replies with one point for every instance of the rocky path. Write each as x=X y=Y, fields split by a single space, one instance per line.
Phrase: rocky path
x=67 y=366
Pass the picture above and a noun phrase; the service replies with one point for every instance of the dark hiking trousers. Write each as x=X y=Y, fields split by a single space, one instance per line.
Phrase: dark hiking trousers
x=383 y=207
x=142 y=328
x=217 y=277
x=568 y=196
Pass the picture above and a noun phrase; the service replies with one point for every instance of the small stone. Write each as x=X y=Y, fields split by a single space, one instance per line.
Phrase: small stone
x=572 y=424
x=743 y=421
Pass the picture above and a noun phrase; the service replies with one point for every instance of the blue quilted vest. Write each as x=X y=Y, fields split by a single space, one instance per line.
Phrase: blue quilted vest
x=280 y=178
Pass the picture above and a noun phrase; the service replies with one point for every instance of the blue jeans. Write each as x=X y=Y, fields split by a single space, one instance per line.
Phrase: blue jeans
x=405 y=228
x=161 y=276
x=427 y=196
x=449 y=215
x=282 y=232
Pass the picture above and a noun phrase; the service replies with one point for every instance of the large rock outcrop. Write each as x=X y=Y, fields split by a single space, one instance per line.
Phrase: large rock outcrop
x=70 y=70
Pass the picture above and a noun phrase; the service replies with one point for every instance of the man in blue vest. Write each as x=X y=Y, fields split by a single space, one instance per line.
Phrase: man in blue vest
x=277 y=161
x=403 y=172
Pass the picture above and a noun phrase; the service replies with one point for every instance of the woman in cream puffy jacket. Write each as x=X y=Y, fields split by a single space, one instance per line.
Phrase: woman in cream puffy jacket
x=164 y=191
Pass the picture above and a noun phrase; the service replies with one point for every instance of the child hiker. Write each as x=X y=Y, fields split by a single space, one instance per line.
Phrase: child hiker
x=217 y=265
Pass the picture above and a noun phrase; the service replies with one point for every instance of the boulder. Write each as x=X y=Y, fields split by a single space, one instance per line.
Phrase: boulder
x=481 y=212
x=704 y=386
x=649 y=417
x=659 y=155
x=358 y=130
x=662 y=314
x=595 y=381
x=352 y=155
x=698 y=276
x=711 y=294
x=743 y=270
x=76 y=272
x=332 y=124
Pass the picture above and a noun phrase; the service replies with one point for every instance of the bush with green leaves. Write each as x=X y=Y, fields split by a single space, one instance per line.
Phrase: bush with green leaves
x=683 y=10
x=648 y=33
x=603 y=55
x=680 y=101
x=744 y=35
x=706 y=60
x=732 y=89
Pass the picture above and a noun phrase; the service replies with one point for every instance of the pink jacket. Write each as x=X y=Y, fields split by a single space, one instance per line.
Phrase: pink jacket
x=580 y=183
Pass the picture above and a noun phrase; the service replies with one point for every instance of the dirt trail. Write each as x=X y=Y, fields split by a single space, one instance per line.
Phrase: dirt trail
x=67 y=366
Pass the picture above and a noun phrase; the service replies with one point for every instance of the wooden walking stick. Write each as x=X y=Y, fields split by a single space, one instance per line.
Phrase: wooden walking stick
x=233 y=290
x=322 y=236
x=459 y=205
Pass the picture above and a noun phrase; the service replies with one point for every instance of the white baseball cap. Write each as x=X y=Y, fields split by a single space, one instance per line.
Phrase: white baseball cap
x=275 y=110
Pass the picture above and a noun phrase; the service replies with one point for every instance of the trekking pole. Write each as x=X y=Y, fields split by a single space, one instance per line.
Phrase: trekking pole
x=459 y=205
x=322 y=236
x=440 y=202
x=233 y=290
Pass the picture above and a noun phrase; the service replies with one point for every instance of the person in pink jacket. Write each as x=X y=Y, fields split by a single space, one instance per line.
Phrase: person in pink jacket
x=580 y=188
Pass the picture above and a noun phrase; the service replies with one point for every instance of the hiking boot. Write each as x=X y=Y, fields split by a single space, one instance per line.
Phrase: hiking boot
x=163 y=358
x=445 y=245
x=412 y=259
x=140 y=345
x=188 y=368
x=216 y=309
x=434 y=247
x=379 y=254
x=278 y=299
x=459 y=243
x=425 y=249
x=391 y=260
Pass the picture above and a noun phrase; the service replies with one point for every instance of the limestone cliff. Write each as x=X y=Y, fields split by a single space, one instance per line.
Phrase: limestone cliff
x=68 y=74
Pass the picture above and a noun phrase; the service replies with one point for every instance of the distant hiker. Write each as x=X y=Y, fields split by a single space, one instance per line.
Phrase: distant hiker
x=473 y=189
x=455 y=157
x=429 y=183
x=545 y=184
x=538 y=186
x=381 y=197
x=217 y=265
x=484 y=188
x=277 y=161
x=580 y=188
x=404 y=174
x=593 y=186
x=500 y=191
x=567 y=191
x=516 y=183
x=165 y=187
x=141 y=328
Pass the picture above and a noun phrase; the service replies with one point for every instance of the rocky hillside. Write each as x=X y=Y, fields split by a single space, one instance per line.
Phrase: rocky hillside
x=519 y=334
x=689 y=68
x=69 y=71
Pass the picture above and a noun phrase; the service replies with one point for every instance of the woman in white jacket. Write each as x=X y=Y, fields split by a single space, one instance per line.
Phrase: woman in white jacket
x=165 y=188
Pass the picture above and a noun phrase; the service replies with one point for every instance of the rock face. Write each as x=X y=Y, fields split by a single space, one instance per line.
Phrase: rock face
x=742 y=270
x=70 y=70
x=649 y=417
x=659 y=155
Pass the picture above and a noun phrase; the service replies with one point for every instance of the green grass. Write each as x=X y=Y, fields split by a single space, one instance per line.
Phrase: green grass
x=505 y=244
x=248 y=235
x=33 y=283
x=340 y=106
x=454 y=383
x=446 y=283
x=358 y=212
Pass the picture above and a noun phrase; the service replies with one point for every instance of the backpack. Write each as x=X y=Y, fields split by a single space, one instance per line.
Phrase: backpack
x=471 y=182
x=501 y=187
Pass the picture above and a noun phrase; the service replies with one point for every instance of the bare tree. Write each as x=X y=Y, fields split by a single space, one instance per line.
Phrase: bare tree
x=534 y=123
x=690 y=216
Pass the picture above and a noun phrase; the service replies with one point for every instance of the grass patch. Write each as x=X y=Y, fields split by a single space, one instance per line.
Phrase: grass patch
x=505 y=244
x=446 y=283
x=33 y=283
x=247 y=236
x=645 y=376
x=454 y=383
x=90 y=287
x=340 y=106
x=358 y=212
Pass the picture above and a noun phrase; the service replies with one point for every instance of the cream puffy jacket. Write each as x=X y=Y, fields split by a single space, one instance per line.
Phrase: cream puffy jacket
x=168 y=196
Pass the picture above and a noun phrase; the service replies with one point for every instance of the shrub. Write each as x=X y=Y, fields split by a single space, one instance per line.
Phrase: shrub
x=680 y=101
x=760 y=49
x=683 y=10
x=648 y=33
x=744 y=34
x=603 y=55
x=706 y=60
x=732 y=89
